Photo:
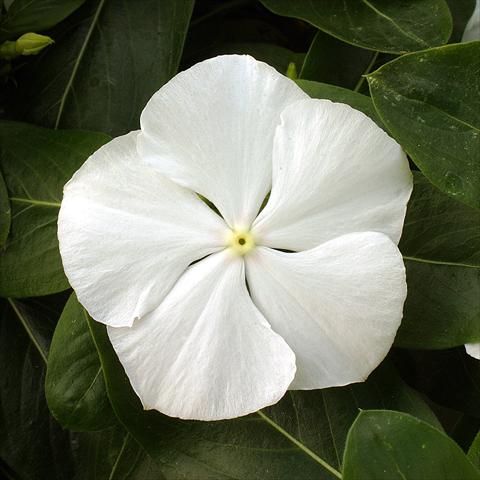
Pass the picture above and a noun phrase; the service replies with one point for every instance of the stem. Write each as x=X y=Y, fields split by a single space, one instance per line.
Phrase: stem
x=302 y=447
x=366 y=72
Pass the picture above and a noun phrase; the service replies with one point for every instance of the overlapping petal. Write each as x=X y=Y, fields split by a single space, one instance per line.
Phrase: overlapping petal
x=211 y=129
x=206 y=353
x=334 y=172
x=127 y=233
x=337 y=306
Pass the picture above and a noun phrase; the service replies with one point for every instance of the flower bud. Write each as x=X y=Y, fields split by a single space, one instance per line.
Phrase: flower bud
x=28 y=44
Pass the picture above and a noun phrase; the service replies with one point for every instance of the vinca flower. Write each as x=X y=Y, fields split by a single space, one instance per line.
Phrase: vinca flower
x=216 y=314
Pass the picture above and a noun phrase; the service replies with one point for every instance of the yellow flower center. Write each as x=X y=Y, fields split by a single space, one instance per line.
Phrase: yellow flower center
x=241 y=241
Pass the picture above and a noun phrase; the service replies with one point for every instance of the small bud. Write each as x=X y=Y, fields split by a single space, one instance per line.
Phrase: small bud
x=27 y=44
x=292 y=71
x=32 y=43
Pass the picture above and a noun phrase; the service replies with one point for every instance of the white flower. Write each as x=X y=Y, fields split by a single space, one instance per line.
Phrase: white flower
x=168 y=275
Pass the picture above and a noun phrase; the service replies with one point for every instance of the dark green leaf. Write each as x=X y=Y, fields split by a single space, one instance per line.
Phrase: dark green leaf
x=386 y=445
x=31 y=443
x=474 y=451
x=331 y=61
x=441 y=246
x=430 y=102
x=36 y=164
x=4 y=211
x=74 y=385
x=383 y=25
x=341 y=95
x=107 y=64
x=112 y=454
x=283 y=441
x=34 y=16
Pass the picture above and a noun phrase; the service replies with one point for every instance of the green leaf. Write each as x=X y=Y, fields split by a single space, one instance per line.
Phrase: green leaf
x=112 y=454
x=74 y=385
x=430 y=103
x=32 y=444
x=341 y=95
x=474 y=451
x=36 y=163
x=107 y=64
x=383 y=25
x=331 y=61
x=390 y=445
x=441 y=247
x=4 y=211
x=34 y=16
x=288 y=440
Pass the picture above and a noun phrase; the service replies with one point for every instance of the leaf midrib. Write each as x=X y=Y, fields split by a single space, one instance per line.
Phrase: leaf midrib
x=76 y=65
x=409 y=35
x=300 y=445
x=33 y=201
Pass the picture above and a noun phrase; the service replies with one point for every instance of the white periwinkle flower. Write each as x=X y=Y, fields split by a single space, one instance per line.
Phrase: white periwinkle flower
x=147 y=257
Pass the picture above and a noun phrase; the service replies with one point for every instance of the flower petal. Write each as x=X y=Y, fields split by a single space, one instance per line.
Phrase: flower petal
x=211 y=129
x=473 y=349
x=206 y=353
x=127 y=233
x=337 y=306
x=334 y=172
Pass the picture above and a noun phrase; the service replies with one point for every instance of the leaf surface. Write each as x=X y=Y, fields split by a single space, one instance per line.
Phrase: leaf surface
x=383 y=25
x=74 y=385
x=34 y=16
x=441 y=247
x=391 y=445
x=430 y=103
x=36 y=163
x=107 y=63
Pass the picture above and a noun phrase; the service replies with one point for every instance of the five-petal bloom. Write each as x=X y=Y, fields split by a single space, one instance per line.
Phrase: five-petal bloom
x=216 y=316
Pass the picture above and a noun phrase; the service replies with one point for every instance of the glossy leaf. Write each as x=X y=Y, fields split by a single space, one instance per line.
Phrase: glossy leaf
x=74 y=385
x=430 y=103
x=391 y=445
x=385 y=25
x=36 y=163
x=341 y=95
x=4 y=211
x=283 y=441
x=34 y=16
x=441 y=247
x=107 y=64
x=335 y=62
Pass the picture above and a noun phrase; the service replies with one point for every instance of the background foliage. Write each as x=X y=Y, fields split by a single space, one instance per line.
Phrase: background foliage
x=66 y=407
